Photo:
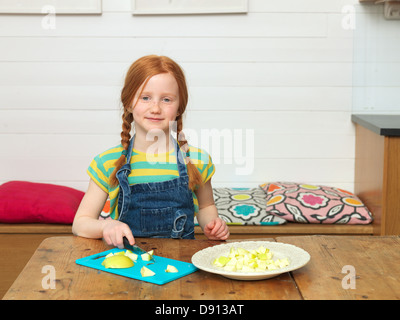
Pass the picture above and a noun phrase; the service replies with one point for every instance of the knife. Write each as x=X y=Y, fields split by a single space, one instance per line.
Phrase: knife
x=135 y=249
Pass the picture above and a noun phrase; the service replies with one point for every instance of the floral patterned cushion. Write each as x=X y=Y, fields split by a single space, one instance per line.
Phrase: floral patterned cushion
x=306 y=203
x=243 y=206
x=236 y=206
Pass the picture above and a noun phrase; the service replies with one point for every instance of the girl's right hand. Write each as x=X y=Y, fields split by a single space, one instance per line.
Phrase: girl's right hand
x=114 y=231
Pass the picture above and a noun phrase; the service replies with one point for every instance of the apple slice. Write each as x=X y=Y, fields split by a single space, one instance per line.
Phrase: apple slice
x=131 y=255
x=171 y=269
x=221 y=261
x=147 y=256
x=146 y=272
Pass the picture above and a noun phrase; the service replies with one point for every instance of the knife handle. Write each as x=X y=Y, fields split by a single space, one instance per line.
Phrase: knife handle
x=126 y=242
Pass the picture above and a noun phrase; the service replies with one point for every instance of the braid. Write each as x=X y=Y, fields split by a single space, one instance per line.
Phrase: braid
x=127 y=119
x=194 y=174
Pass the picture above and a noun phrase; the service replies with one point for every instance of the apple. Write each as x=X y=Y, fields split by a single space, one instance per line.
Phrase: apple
x=146 y=272
x=230 y=268
x=131 y=255
x=221 y=261
x=281 y=263
x=147 y=256
x=117 y=261
x=254 y=260
x=171 y=269
x=231 y=265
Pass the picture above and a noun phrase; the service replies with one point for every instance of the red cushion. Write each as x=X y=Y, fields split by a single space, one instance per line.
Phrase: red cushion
x=29 y=202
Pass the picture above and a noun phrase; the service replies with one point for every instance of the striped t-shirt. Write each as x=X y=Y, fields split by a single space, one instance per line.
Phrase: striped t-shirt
x=145 y=168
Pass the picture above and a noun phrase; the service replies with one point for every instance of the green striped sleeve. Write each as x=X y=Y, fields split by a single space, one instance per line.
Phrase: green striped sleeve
x=98 y=173
x=203 y=162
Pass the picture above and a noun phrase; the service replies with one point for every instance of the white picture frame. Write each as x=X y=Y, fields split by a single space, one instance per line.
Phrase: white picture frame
x=52 y=6
x=147 y=7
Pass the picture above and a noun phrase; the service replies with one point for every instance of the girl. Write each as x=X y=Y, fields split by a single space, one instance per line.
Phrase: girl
x=150 y=197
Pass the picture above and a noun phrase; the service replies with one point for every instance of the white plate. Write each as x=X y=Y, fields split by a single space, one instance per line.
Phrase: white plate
x=297 y=258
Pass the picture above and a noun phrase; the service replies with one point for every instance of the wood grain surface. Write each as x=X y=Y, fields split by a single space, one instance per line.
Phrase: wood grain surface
x=79 y=282
x=374 y=260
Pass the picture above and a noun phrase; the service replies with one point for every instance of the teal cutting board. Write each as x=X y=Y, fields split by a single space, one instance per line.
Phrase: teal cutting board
x=161 y=277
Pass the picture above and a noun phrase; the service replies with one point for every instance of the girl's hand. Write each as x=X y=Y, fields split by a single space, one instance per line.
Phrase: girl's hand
x=114 y=231
x=216 y=230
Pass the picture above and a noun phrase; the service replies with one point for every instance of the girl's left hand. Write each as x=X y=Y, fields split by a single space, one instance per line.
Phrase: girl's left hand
x=216 y=230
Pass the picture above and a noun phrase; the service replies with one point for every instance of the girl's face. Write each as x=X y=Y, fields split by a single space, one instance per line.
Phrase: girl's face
x=156 y=105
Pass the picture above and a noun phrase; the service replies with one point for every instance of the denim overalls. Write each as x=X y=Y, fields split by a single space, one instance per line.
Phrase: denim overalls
x=157 y=209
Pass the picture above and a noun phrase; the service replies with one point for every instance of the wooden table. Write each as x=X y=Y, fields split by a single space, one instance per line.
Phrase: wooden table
x=78 y=282
x=375 y=261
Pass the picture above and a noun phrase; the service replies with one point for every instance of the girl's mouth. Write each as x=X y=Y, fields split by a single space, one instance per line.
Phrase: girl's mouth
x=154 y=119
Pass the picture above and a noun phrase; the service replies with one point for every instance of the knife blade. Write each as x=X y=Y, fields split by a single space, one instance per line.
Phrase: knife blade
x=135 y=248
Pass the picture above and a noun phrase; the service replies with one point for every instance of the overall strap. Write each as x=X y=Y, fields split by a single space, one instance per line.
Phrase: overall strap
x=180 y=160
x=129 y=151
x=179 y=156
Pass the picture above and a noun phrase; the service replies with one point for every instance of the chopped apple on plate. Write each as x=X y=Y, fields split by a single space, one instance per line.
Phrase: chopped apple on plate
x=243 y=260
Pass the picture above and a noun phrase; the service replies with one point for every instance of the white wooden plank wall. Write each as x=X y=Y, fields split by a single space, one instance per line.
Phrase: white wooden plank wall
x=283 y=70
x=376 y=64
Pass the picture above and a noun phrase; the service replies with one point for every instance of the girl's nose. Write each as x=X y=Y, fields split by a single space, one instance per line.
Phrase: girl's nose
x=155 y=106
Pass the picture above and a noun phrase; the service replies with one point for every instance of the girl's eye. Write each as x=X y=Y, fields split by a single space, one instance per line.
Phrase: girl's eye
x=167 y=100
x=146 y=98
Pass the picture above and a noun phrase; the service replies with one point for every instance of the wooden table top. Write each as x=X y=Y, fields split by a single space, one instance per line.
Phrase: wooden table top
x=78 y=282
x=372 y=260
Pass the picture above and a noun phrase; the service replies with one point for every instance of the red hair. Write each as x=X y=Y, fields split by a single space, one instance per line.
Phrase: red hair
x=139 y=73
